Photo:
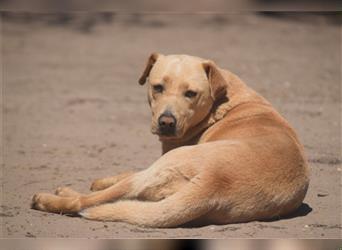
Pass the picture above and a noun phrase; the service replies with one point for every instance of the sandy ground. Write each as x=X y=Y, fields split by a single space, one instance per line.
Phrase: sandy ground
x=73 y=110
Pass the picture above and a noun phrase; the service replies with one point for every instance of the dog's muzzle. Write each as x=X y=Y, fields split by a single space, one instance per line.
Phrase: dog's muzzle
x=167 y=124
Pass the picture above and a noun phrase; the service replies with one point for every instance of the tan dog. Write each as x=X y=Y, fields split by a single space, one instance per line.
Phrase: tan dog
x=228 y=156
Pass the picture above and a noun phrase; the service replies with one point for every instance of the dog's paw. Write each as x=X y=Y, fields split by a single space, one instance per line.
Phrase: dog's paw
x=55 y=204
x=97 y=185
x=66 y=192
x=40 y=201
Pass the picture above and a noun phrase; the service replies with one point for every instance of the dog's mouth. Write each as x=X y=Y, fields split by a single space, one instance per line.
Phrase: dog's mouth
x=167 y=131
x=167 y=137
x=165 y=134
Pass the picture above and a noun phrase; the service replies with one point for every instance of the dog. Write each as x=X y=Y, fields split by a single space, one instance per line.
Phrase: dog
x=228 y=156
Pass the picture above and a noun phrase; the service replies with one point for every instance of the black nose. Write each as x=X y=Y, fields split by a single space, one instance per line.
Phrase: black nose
x=167 y=123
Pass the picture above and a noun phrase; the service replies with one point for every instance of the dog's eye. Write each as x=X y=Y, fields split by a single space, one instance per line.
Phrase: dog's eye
x=190 y=94
x=158 y=88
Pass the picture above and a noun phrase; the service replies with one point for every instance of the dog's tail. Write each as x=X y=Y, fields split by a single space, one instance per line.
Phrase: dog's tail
x=177 y=209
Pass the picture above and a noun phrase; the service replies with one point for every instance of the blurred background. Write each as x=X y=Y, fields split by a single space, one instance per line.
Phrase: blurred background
x=176 y=5
x=73 y=112
x=219 y=244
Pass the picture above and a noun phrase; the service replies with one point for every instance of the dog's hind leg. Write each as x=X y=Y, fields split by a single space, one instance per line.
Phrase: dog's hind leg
x=72 y=204
x=184 y=206
x=67 y=192
x=163 y=179
x=104 y=183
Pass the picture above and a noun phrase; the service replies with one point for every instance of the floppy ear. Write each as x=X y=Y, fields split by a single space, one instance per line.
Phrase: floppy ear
x=218 y=85
x=150 y=62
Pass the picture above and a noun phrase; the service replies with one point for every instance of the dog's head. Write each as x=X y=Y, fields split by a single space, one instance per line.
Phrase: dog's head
x=181 y=92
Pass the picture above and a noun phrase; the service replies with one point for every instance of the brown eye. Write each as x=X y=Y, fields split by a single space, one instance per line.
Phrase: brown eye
x=158 y=88
x=190 y=94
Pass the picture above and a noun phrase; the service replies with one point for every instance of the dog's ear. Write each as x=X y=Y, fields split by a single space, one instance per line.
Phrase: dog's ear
x=150 y=62
x=218 y=85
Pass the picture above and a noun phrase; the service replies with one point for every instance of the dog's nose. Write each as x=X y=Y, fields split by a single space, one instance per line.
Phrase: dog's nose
x=167 y=123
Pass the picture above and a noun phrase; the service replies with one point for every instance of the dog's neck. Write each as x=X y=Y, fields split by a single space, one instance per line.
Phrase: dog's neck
x=237 y=93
